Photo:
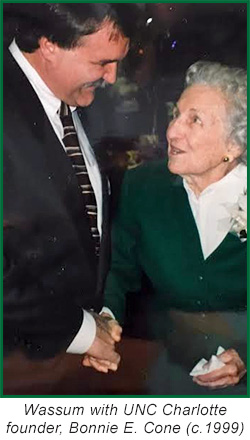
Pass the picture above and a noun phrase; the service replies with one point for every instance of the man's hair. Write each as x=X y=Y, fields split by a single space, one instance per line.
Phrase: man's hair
x=62 y=23
x=232 y=82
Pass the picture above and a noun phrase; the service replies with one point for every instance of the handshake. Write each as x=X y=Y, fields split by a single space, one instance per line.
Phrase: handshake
x=102 y=355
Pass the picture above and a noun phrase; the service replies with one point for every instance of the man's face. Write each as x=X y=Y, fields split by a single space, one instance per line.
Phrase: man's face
x=74 y=74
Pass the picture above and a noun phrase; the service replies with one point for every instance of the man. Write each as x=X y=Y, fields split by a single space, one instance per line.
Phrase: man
x=55 y=260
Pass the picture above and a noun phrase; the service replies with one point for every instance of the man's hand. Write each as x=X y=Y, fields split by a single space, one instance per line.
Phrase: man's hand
x=99 y=365
x=102 y=355
x=230 y=374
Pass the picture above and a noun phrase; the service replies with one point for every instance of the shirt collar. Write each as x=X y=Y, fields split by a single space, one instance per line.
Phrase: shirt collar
x=236 y=177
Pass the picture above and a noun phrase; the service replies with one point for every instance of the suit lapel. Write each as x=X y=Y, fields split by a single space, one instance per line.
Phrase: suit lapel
x=185 y=218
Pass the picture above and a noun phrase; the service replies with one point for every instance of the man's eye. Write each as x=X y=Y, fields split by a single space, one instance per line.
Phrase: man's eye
x=99 y=63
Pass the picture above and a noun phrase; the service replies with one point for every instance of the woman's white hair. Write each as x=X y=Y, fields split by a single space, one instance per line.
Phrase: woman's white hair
x=232 y=82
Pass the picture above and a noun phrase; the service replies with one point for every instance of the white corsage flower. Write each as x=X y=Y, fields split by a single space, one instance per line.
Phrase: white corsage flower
x=239 y=217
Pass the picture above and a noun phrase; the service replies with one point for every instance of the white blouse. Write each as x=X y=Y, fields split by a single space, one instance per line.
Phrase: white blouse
x=211 y=210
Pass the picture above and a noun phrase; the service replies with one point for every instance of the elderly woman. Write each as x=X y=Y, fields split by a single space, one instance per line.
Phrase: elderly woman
x=184 y=226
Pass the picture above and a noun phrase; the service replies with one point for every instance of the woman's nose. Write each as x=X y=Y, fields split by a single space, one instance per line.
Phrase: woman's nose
x=175 y=128
x=110 y=73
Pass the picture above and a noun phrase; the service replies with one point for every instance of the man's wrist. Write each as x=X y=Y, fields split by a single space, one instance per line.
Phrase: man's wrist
x=108 y=311
x=85 y=336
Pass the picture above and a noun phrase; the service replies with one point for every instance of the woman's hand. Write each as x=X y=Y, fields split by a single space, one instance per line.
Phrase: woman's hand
x=230 y=374
x=115 y=330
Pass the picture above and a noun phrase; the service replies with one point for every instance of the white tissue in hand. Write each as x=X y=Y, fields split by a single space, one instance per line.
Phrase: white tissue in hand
x=220 y=350
x=204 y=366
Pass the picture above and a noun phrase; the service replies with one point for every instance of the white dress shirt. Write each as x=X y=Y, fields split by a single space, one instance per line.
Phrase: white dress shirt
x=210 y=209
x=51 y=104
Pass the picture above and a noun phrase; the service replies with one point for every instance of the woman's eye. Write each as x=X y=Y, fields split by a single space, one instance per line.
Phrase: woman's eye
x=196 y=120
x=175 y=114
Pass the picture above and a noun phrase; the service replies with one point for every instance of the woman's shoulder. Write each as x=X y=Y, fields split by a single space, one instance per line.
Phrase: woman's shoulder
x=153 y=171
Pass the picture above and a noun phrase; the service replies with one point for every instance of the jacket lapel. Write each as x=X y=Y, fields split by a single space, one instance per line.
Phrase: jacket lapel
x=185 y=218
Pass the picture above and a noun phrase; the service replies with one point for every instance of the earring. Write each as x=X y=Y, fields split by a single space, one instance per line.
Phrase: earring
x=226 y=159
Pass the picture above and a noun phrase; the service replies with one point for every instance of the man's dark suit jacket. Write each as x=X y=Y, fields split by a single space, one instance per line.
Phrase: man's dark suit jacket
x=50 y=269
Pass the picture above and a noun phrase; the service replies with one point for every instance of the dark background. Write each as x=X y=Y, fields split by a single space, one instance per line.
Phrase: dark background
x=160 y=53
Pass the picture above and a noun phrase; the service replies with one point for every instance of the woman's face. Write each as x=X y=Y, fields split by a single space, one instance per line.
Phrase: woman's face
x=197 y=136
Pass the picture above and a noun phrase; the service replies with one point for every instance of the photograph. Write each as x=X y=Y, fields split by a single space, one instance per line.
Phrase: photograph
x=125 y=199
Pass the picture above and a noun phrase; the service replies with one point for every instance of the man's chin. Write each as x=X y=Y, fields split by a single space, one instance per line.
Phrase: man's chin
x=83 y=100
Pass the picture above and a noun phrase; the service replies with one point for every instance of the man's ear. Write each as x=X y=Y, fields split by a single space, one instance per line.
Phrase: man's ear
x=47 y=48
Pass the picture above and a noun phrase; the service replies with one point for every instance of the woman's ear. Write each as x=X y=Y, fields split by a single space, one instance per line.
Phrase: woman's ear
x=234 y=151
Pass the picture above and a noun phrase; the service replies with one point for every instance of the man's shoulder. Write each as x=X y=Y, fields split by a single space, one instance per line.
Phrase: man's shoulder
x=9 y=64
x=12 y=78
x=20 y=102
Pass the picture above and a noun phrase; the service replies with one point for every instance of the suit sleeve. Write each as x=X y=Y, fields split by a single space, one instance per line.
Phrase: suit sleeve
x=40 y=317
x=125 y=272
x=37 y=320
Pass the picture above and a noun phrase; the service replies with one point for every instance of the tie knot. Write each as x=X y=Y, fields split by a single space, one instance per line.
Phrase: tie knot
x=64 y=110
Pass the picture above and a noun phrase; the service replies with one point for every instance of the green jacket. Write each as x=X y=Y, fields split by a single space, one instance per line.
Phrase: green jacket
x=155 y=232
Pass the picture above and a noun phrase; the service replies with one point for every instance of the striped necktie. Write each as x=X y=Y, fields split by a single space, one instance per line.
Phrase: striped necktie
x=73 y=151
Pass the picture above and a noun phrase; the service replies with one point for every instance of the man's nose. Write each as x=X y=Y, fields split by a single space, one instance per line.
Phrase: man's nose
x=110 y=73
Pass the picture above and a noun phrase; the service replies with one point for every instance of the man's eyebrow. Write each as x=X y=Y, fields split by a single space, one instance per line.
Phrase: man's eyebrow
x=107 y=61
